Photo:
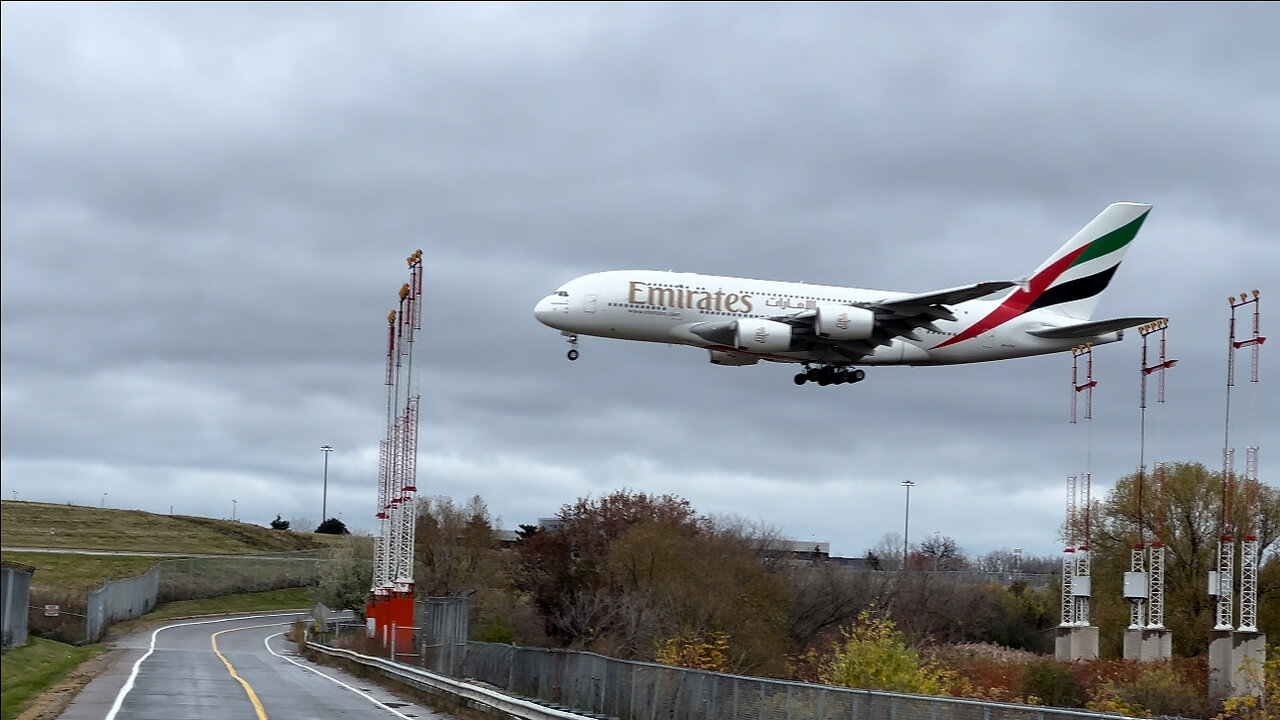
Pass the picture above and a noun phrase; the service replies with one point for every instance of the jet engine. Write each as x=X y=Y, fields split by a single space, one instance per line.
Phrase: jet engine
x=757 y=335
x=844 y=322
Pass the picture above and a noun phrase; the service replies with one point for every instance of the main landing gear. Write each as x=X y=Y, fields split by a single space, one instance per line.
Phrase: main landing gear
x=830 y=375
x=573 y=350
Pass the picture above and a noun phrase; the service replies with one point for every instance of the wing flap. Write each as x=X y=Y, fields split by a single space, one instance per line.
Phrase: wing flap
x=929 y=302
x=899 y=317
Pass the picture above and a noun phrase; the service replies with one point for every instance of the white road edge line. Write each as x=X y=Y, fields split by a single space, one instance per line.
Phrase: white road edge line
x=361 y=693
x=128 y=686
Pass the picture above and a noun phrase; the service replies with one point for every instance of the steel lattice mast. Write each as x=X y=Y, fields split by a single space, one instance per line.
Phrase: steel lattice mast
x=391 y=597
x=1226 y=542
x=1068 y=609
x=1147 y=606
x=1249 y=546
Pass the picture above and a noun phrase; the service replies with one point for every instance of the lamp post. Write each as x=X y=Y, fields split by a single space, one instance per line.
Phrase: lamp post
x=233 y=510
x=103 y=503
x=324 y=498
x=906 y=522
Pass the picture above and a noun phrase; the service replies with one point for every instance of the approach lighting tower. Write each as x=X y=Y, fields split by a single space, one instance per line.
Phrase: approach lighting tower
x=1088 y=385
x=391 y=597
x=1145 y=589
x=1068 y=613
x=1226 y=541
x=1249 y=546
x=1082 y=583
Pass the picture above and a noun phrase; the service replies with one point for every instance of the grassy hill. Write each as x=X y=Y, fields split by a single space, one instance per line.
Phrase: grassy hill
x=48 y=525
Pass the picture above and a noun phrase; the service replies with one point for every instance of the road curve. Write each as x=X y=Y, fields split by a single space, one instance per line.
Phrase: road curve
x=229 y=668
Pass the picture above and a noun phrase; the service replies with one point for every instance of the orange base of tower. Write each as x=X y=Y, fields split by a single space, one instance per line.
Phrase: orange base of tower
x=389 y=618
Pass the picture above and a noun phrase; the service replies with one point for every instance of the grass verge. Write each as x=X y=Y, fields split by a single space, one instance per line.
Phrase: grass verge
x=30 y=670
x=67 y=571
x=271 y=600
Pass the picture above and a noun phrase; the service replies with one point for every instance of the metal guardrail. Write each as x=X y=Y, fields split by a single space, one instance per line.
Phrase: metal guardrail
x=796 y=700
x=472 y=695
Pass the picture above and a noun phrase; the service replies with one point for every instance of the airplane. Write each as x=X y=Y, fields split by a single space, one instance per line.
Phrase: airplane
x=830 y=330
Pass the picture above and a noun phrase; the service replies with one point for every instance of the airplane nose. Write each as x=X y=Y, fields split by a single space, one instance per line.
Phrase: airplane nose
x=546 y=309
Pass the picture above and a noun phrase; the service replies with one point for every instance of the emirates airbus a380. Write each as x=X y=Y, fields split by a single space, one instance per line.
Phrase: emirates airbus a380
x=831 y=330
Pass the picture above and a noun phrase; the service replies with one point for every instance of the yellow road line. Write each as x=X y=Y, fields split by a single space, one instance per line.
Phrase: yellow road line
x=253 y=697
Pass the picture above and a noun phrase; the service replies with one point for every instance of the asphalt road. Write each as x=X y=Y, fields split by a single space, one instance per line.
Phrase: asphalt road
x=235 y=668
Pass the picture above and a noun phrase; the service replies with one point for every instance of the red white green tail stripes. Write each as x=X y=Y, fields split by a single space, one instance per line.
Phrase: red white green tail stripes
x=1071 y=281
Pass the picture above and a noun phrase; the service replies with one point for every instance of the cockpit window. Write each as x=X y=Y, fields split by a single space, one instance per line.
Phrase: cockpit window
x=562 y=293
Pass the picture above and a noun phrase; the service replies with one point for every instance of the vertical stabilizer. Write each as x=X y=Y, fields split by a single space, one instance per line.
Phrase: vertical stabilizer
x=1071 y=281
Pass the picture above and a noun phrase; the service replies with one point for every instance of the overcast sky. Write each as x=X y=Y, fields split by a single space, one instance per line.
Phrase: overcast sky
x=207 y=210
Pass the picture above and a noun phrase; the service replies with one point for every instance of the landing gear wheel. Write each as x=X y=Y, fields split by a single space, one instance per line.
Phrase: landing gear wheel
x=573 y=355
x=573 y=346
x=858 y=375
x=801 y=378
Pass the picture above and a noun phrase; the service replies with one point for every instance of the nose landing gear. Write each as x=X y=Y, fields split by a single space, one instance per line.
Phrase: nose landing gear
x=573 y=350
x=830 y=375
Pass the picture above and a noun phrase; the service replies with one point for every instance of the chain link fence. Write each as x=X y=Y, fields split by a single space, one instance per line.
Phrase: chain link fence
x=441 y=625
x=590 y=683
x=194 y=578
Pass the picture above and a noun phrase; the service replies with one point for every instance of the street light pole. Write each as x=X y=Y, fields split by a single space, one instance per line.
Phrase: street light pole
x=324 y=500
x=906 y=522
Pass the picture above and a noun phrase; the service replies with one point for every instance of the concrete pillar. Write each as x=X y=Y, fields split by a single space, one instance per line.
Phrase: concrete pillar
x=1147 y=645
x=1076 y=643
x=1235 y=663
x=1248 y=653
x=1220 y=664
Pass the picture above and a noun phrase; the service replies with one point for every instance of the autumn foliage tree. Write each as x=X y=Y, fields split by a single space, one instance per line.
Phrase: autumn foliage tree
x=629 y=574
x=1183 y=515
x=873 y=654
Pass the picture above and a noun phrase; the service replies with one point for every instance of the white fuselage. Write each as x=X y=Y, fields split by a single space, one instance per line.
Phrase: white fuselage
x=655 y=306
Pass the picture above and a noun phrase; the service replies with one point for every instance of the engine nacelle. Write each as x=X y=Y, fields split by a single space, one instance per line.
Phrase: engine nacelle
x=844 y=322
x=757 y=335
x=720 y=357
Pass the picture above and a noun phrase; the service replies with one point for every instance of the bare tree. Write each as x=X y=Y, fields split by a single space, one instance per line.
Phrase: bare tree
x=887 y=554
x=942 y=550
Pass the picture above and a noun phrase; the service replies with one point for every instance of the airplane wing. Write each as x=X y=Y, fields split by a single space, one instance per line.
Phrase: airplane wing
x=896 y=317
x=1082 y=331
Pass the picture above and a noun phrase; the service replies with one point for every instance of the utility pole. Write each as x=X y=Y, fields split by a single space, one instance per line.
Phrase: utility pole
x=906 y=522
x=324 y=500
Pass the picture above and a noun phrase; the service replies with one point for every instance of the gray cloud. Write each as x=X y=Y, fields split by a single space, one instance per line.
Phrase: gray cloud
x=206 y=210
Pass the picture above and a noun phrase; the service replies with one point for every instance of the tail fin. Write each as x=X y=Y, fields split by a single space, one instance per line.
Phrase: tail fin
x=1071 y=281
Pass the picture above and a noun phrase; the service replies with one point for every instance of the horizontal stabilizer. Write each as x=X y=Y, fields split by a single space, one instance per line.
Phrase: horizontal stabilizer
x=1082 y=331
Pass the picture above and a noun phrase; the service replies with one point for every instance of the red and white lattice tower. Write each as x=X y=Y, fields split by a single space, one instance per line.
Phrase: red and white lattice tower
x=1155 y=600
x=1076 y=608
x=1082 y=583
x=1226 y=546
x=1226 y=543
x=1068 y=613
x=391 y=597
x=1087 y=386
x=1249 y=546
x=1149 y=561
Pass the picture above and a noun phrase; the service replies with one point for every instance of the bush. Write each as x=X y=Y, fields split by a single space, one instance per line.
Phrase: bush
x=1051 y=683
x=874 y=655
x=1155 y=691
x=494 y=632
